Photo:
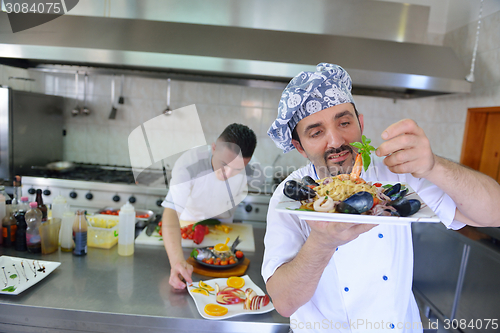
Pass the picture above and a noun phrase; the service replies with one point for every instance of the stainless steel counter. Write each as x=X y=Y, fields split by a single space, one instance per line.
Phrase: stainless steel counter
x=104 y=292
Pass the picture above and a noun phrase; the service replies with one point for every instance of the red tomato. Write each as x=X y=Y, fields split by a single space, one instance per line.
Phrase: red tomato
x=223 y=262
x=191 y=235
x=160 y=232
x=232 y=262
x=377 y=184
x=210 y=261
x=184 y=235
x=160 y=223
x=239 y=254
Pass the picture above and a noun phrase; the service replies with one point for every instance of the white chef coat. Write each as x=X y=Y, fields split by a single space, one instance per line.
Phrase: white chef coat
x=366 y=286
x=196 y=193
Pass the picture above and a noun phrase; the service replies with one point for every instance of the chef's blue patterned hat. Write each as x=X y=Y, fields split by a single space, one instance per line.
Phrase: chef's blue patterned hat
x=307 y=93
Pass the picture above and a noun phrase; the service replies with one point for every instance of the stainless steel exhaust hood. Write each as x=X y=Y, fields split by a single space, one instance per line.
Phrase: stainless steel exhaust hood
x=378 y=67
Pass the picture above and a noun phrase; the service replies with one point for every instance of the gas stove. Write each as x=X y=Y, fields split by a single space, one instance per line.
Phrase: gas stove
x=92 y=187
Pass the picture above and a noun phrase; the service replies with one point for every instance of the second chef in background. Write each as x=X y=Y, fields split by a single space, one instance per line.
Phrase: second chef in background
x=207 y=182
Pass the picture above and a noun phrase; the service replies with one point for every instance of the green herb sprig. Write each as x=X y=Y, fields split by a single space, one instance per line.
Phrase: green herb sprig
x=364 y=148
x=9 y=289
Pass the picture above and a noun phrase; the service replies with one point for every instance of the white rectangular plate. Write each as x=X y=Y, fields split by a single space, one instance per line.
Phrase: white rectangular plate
x=425 y=214
x=233 y=309
x=18 y=274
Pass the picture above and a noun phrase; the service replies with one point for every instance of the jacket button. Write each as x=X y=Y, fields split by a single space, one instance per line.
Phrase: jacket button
x=385 y=278
x=380 y=236
x=346 y=289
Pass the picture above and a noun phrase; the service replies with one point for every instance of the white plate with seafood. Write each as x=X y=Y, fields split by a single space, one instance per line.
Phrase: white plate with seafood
x=233 y=309
x=424 y=214
x=18 y=274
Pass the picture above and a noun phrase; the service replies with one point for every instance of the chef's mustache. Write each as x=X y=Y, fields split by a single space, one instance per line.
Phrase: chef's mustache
x=338 y=150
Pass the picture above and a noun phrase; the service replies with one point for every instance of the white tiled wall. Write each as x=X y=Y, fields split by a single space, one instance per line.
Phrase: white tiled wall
x=96 y=139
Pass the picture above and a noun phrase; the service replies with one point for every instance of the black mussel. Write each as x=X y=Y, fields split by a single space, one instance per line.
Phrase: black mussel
x=298 y=191
x=396 y=188
x=402 y=206
x=400 y=194
x=361 y=202
x=406 y=207
x=342 y=207
x=415 y=206
x=309 y=181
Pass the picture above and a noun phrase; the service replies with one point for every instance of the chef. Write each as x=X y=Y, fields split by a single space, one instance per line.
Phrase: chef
x=207 y=182
x=348 y=277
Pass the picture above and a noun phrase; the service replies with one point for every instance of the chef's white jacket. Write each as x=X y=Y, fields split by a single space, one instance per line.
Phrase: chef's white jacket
x=366 y=286
x=196 y=193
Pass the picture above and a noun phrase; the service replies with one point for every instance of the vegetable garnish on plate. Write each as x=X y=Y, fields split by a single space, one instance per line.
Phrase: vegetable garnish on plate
x=364 y=150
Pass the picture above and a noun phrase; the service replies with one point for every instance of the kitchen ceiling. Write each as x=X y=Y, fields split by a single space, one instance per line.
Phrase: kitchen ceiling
x=379 y=43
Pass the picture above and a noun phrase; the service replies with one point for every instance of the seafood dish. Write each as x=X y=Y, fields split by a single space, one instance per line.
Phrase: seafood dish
x=220 y=256
x=351 y=195
x=349 y=198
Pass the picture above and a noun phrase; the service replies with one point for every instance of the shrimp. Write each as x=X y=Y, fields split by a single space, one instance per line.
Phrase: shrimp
x=356 y=169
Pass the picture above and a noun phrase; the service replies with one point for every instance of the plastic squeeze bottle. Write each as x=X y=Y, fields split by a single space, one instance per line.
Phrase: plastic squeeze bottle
x=126 y=230
x=33 y=219
x=66 y=232
x=58 y=207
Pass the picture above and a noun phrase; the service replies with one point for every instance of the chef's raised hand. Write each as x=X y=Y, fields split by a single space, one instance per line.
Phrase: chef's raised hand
x=407 y=149
x=180 y=270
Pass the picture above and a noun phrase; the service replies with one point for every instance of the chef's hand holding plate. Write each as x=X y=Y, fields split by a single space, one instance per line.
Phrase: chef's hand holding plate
x=180 y=271
x=407 y=149
x=330 y=235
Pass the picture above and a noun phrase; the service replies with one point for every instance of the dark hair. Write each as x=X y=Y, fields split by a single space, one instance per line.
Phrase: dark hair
x=295 y=135
x=242 y=136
